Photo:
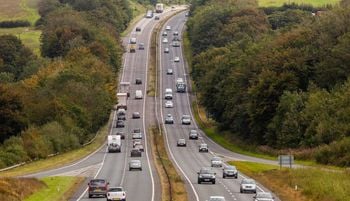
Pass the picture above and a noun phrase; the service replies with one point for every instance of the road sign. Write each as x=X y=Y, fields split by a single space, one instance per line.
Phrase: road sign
x=286 y=160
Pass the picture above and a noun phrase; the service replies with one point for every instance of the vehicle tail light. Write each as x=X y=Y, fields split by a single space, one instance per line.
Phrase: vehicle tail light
x=123 y=194
x=108 y=194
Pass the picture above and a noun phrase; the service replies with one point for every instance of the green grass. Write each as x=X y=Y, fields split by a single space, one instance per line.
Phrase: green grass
x=58 y=188
x=312 y=183
x=266 y=3
x=30 y=37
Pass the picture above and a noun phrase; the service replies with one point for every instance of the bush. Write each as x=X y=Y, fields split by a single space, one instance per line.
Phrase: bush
x=14 y=24
x=337 y=153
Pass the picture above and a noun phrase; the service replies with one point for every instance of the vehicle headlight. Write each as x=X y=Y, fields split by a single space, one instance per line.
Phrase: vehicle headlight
x=200 y=176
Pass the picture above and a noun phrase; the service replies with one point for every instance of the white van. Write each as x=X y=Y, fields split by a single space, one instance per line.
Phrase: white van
x=138 y=94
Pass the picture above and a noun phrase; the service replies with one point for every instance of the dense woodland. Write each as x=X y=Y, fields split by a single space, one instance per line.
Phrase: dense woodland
x=276 y=77
x=57 y=102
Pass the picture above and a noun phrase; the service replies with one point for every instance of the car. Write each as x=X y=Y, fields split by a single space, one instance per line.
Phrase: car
x=168 y=96
x=135 y=142
x=120 y=124
x=169 y=119
x=203 y=147
x=193 y=135
x=176 y=38
x=136 y=136
x=121 y=114
x=165 y=40
x=216 y=161
x=156 y=17
x=137 y=130
x=176 y=59
x=136 y=115
x=230 y=171
x=122 y=135
x=138 y=81
x=165 y=33
x=132 y=41
x=135 y=164
x=263 y=196
x=206 y=175
x=116 y=193
x=181 y=142
x=141 y=46
x=176 y=44
x=176 y=33
x=216 y=198
x=186 y=119
x=140 y=147
x=135 y=153
x=97 y=187
x=169 y=71
x=248 y=185
x=166 y=50
x=168 y=28
x=138 y=29
x=169 y=104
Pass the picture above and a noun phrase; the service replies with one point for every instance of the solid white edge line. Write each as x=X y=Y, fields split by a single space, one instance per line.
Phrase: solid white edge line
x=162 y=117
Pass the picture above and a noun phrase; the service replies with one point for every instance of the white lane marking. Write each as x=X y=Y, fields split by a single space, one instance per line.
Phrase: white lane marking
x=162 y=117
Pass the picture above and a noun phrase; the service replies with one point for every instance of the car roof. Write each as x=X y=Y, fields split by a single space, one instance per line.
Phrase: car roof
x=135 y=161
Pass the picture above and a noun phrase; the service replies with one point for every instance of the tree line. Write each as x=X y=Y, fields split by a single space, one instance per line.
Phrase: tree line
x=57 y=102
x=276 y=77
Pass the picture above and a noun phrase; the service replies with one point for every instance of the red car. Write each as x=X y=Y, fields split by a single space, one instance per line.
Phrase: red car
x=98 y=187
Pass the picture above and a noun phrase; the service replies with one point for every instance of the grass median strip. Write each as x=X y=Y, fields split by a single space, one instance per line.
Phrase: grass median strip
x=173 y=187
x=56 y=189
x=299 y=184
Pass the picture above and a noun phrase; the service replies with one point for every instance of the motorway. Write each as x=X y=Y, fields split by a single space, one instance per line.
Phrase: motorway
x=144 y=185
x=188 y=159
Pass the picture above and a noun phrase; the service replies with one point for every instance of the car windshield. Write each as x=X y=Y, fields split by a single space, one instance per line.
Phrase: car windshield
x=135 y=162
x=230 y=168
x=186 y=116
x=217 y=199
x=216 y=159
x=248 y=181
x=206 y=171
x=97 y=182
x=264 y=195
x=115 y=189
x=204 y=145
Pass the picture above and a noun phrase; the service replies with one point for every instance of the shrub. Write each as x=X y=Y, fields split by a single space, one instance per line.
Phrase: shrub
x=14 y=24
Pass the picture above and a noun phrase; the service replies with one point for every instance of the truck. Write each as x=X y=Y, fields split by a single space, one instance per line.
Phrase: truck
x=114 y=143
x=124 y=87
x=180 y=85
x=122 y=100
x=159 y=8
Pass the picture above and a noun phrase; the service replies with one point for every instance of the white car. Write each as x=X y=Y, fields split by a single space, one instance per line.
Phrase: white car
x=165 y=40
x=135 y=164
x=186 y=119
x=169 y=104
x=263 y=196
x=116 y=193
x=216 y=162
x=217 y=198
x=168 y=28
x=164 y=33
x=177 y=59
x=169 y=71
x=248 y=185
x=166 y=50
x=169 y=119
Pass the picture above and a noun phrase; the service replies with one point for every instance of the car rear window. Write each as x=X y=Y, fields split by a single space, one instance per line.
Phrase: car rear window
x=115 y=189
x=97 y=182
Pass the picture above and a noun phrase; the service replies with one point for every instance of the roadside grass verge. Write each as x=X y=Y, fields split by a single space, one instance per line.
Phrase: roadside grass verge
x=138 y=11
x=14 y=189
x=61 y=159
x=173 y=187
x=266 y=3
x=57 y=189
x=302 y=184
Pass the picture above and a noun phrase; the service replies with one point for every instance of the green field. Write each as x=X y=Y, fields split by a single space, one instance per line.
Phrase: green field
x=29 y=36
x=58 y=188
x=266 y=3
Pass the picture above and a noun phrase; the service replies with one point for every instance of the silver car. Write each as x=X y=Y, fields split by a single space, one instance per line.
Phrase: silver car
x=165 y=40
x=135 y=164
x=230 y=171
x=216 y=162
x=169 y=104
x=166 y=50
x=176 y=59
x=186 y=119
x=248 y=185
x=263 y=196
x=169 y=71
x=181 y=142
x=193 y=135
x=169 y=119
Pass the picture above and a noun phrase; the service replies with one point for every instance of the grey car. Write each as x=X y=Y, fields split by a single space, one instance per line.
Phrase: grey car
x=186 y=119
x=263 y=196
x=169 y=119
x=181 y=142
x=135 y=164
x=248 y=185
x=193 y=135
x=135 y=153
x=136 y=115
x=203 y=147
x=120 y=124
x=230 y=171
x=206 y=175
x=216 y=162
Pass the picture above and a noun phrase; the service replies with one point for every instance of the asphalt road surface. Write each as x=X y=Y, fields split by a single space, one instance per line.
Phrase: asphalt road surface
x=188 y=159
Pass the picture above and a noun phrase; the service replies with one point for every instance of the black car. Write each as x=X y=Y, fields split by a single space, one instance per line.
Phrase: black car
x=121 y=117
x=122 y=135
x=97 y=187
x=120 y=124
x=138 y=29
x=156 y=17
x=206 y=175
x=230 y=171
x=135 y=153
x=138 y=81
